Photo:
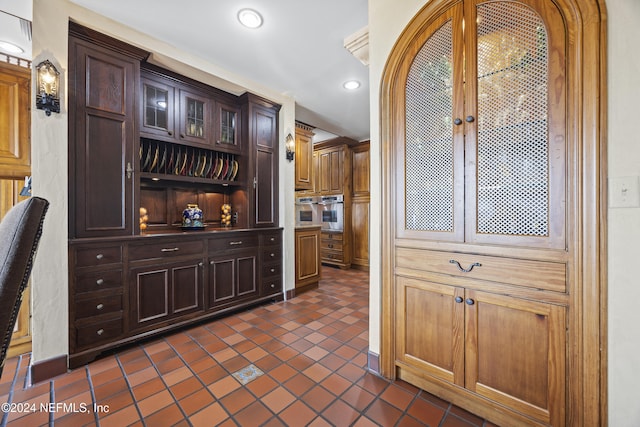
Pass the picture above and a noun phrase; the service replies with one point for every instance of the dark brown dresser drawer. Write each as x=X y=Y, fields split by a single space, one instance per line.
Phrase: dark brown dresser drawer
x=166 y=249
x=97 y=281
x=93 y=335
x=271 y=270
x=274 y=238
x=240 y=241
x=272 y=285
x=98 y=305
x=99 y=255
x=272 y=254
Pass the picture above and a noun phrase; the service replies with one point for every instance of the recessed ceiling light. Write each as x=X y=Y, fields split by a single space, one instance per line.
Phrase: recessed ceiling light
x=250 y=18
x=351 y=84
x=10 y=47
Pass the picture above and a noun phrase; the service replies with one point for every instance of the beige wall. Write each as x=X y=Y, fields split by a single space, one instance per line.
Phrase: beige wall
x=49 y=151
x=387 y=20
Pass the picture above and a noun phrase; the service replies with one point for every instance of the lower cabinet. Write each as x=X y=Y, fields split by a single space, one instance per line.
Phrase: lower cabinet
x=123 y=291
x=307 y=249
x=232 y=277
x=496 y=347
x=161 y=292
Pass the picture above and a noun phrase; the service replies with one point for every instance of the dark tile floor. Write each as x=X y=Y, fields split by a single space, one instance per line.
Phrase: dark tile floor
x=296 y=363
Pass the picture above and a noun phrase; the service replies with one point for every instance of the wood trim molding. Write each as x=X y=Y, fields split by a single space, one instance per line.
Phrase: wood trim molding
x=46 y=369
x=586 y=22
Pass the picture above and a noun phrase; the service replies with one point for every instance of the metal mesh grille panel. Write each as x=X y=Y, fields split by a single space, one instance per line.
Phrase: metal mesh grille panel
x=513 y=157
x=429 y=140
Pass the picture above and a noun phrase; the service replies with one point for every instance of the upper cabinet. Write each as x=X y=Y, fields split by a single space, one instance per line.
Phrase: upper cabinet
x=102 y=136
x=227 y=128
x=174 y=111
x=304 y=157
x=15 y=152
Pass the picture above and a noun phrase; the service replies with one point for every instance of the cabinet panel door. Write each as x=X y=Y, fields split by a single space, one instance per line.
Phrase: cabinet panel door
x=429 y=166
x=516 y=140
x=360 y=232
x=102 y=92
x=15 y=149
x=222 y=279
x=227 y=126
x=195 y=118
x=515 y=353
x=247 y=280
x=304 y=160
x=430 y=328
x=150 y=297
x=186 y=288
x=265 y=199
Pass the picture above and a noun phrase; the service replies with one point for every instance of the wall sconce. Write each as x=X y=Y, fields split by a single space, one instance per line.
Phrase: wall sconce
x=47 y=88
x=290 y=144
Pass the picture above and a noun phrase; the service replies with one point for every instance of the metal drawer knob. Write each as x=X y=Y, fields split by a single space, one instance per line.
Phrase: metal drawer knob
x=100 y=282
x=272 y=255
x=273 y=285
x=99 y=306
x=99 y=256
x=273 y=270
x=100 y=331
x=273 y=239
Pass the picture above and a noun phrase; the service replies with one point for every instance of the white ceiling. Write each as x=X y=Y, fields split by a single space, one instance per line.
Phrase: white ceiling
x=298 y=50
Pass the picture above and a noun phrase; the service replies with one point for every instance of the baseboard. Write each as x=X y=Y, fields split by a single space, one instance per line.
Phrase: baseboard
x=47 y=369
x=373 y=362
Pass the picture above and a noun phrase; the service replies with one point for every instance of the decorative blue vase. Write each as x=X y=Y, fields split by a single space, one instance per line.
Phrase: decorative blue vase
x=192 y=217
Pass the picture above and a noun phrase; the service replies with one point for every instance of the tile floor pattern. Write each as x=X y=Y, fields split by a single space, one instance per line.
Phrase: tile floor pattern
x=303 y=361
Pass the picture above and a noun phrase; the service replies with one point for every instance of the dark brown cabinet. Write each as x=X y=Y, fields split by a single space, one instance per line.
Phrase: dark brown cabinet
x=262 y=134
x=144 y=137
x=102 y=131
x=162 y=291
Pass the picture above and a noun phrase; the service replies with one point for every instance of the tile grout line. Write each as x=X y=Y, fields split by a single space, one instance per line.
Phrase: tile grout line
x=133 y=396
x=93 y=396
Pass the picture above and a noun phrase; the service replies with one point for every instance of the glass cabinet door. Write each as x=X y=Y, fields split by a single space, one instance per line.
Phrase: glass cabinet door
x=194 y=117
x=227 y=127
x=157 y=108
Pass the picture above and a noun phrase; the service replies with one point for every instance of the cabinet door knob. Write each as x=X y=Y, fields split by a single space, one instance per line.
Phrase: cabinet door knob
x=458 y=300
x=99 y=282
x=272 y=255
x=100 y=331
x=469 y=301
x=211 y=262
x=273 y=239
x=200 y=264
x=330 y=246
x=469 y=119
x=273 y=285
x=273 y=270
x=457 y=121
x=99 y=306
x=99 y=256
x=170 y=132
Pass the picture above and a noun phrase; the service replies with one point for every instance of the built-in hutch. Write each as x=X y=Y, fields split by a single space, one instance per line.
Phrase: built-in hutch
x=144 y=140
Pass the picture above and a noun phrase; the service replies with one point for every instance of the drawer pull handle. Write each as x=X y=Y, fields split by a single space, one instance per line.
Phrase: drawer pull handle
x=100 y=282
x=100 y=331
x=99 y=256
x=239 y=242
x=99 y=306
x=465 y=270
x=169 y=249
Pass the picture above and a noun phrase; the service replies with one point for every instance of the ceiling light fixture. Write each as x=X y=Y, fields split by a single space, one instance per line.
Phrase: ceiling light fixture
x=10 y=47
x=250 y=18
x=351 y=84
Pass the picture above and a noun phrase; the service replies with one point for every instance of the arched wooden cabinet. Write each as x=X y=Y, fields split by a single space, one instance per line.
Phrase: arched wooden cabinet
x=489 y=209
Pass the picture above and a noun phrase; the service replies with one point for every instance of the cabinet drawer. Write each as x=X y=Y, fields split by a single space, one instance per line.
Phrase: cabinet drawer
x=96 y=281
x=271 y=238
x=271 y=254
x=271 y=270
x=97 y=306
x=240 y=241
x=331 y=244
x=332 y=256
x=165 y=249
x=272 y=285
x=331 y=236
x=95 y=256
x=92 y=335
x=534 y=274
